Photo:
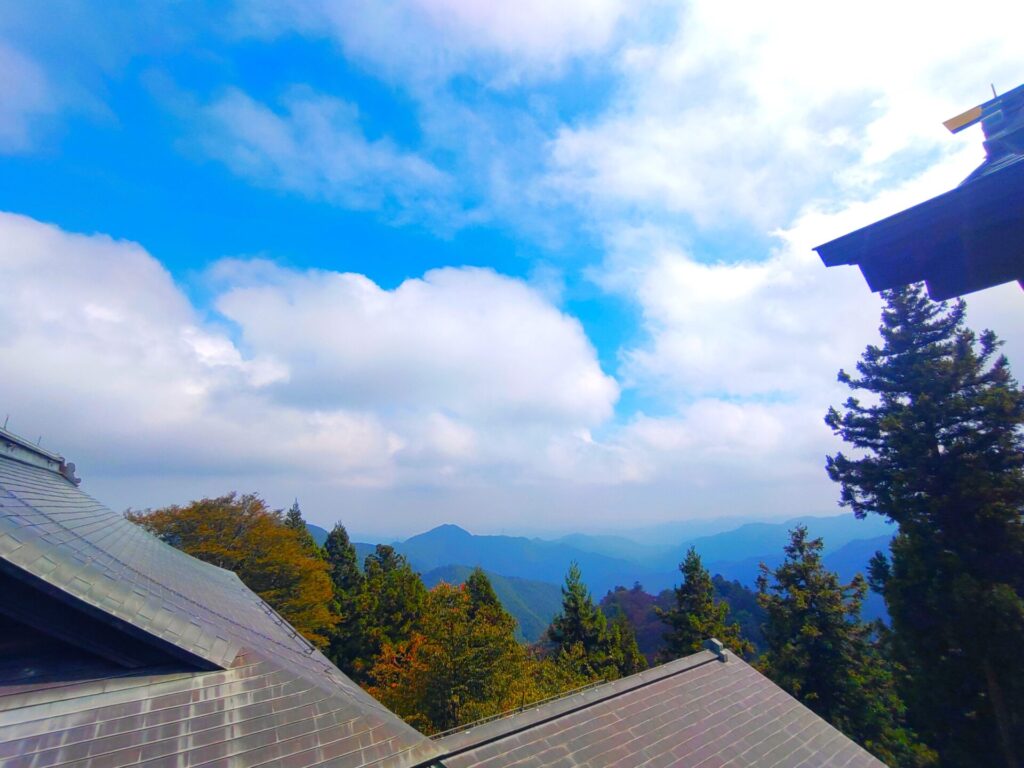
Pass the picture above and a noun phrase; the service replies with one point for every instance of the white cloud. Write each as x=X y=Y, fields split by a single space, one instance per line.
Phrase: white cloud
x=743 y=356
x=779 y=327
x=455 y=378
x=748 y=111
x=25 y=96
x=315 y=146
x=466 y=342
x=419 y=41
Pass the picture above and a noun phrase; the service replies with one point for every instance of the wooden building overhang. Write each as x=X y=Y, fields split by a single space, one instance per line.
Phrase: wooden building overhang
x=964 y=240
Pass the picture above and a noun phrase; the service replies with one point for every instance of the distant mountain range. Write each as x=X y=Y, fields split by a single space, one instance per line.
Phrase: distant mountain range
x=531 y=569
x=610 y=561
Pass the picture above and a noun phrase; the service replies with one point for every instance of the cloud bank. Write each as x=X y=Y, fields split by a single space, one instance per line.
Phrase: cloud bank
x=457 y=377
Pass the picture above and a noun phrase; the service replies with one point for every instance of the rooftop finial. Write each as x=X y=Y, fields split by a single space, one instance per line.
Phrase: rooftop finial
x=14 y=447
x=716 y=647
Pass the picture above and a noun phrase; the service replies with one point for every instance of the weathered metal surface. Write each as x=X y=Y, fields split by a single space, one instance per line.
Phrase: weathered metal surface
x=697 y=711
x=183 y=666
x=244 y=690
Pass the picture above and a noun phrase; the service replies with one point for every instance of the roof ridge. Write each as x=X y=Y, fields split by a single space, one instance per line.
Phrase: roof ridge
x=21 y=449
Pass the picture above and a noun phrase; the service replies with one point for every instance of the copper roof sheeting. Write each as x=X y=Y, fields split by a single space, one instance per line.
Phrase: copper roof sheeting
x=238 y=685
x=698 y=712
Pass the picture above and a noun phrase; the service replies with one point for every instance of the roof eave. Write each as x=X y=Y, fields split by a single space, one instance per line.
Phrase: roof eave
x=966 y=239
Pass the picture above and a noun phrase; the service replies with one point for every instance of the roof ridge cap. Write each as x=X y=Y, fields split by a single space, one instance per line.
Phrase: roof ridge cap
x=21 y=449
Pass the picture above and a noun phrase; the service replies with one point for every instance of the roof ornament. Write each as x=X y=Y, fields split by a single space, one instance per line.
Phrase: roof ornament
x=716 y=647
x=27 y=452
x=67 y=468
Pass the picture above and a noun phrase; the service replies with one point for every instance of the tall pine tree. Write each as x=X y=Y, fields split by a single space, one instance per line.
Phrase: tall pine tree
x=940 y=451
x=388 y=608
x=293 y=519
x=698 y=616
x=818 y=649
x=347 y=580
x=582 y=638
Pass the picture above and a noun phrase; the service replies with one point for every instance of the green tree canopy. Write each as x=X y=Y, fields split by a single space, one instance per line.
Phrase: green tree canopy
x=294 y=520
x=940 y=451
x=581 y=636
x=242 y=534
x=624 y=648
x=347 y=580
x=460 y=664
x=698 y=616
x=389 y=606
x=342 y=560
x=481 y=591
x=818 y=650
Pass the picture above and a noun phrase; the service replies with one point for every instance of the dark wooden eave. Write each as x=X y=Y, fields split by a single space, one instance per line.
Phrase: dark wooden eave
x=969 y=238
x=961 y=241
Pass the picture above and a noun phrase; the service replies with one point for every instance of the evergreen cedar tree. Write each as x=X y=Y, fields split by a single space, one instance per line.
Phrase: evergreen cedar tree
x=697 y=615
x=817 y=649
x=584 y=643
x=242 y=534
x=940 y=452
x=347 y=580
x=389 y=607
x=293 y=519
x=644 y=613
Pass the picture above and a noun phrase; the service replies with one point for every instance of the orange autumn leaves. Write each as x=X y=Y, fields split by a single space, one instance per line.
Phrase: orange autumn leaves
x=460 y=664
x=242 y=534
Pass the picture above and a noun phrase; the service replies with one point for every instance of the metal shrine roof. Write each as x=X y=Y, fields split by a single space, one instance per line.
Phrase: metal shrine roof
x=151 y=656
x=969 y=238
x=704 y=710
x=117 y=650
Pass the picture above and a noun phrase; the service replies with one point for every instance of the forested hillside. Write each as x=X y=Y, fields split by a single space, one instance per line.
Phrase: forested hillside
x=442 y=649
x=608 y=562
x=531 y=603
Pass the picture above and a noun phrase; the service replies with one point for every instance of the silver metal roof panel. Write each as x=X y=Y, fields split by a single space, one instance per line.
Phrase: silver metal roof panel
x=261 y=693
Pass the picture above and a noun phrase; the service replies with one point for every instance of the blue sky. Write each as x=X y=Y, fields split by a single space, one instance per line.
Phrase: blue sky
x=543 y=267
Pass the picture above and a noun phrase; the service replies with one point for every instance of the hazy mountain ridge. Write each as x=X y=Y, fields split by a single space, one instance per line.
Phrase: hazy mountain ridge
x=608 y=561
x=319 y=534
x=449 y=552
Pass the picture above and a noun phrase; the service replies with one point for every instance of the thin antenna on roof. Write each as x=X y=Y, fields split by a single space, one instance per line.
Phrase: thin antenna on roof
x=994 y=94
x=6 y=419
x=39 y=442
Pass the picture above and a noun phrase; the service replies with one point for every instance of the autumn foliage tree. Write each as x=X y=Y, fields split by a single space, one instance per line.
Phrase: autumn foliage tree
x=461 y=663
x=242 y=534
